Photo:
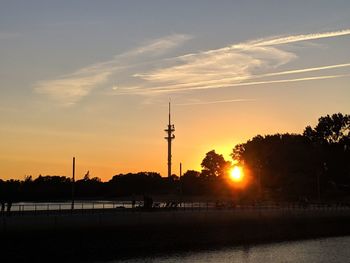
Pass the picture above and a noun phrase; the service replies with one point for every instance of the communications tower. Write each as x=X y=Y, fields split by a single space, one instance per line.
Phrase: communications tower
x=170 y=136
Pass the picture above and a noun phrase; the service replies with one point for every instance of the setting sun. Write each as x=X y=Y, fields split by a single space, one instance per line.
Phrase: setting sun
x=236 y=174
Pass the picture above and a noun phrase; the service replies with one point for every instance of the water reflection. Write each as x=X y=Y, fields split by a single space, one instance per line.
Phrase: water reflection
x=327 y=250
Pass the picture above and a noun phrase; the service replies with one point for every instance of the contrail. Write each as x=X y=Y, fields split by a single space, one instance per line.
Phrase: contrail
x=295 y=71
x=293 y=38
x=217 y=63
x=165 y=90
x=216 y=82
x=271 y=42
x=214 y=102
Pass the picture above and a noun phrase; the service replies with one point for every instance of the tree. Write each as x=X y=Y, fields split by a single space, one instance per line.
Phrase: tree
x=282 y=164
x=294 y=165
x=140 y=183
x=331 y=136
x=191 y=174
x=330 y=129
x=192 y=183
x=214 y=165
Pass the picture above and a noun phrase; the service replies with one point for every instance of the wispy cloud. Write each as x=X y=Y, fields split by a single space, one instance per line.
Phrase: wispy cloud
x=213 y=102
x=161 y=90
x=304 y=70
x=234 y=65
x=229 y=82
x=69 y=89
x=296 y=38
x=269 y=82
x=146 y=71
x=159 y=46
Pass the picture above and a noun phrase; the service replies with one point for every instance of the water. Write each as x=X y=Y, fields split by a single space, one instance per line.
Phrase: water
x=326 y=250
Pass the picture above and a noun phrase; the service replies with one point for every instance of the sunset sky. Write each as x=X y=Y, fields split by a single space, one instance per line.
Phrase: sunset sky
x=92 y=79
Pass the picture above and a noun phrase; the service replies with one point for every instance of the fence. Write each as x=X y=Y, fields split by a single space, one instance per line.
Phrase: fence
x=103 y=206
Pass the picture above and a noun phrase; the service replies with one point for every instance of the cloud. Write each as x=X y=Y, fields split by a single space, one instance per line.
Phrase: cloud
x=269 y=82
x=234 y=65
x=213 y=102
x=211 y=69
x=69 y=89
x=146 y=71
x=229 y=82
x=222 y=85
x=295 y=38
x=304 y=70
x=159 y=46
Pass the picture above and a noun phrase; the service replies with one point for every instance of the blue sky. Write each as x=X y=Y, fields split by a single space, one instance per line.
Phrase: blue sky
x=93 y=78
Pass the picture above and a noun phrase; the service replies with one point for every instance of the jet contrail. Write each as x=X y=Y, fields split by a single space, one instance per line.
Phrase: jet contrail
x=164 y=90
x=214 y=102
x=293 y=38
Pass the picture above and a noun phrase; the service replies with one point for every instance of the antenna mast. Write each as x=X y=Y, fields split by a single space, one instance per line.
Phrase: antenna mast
x=170 y=136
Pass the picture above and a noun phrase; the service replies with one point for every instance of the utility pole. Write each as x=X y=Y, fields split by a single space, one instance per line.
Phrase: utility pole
x=170 y=136
x=180 y=170
x=180 y=180
x=73 y=183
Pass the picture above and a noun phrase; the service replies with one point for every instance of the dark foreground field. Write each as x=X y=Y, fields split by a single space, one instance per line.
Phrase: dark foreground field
x=125 y=234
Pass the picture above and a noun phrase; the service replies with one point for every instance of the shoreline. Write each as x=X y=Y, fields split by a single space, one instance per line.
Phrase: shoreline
x=124 y=234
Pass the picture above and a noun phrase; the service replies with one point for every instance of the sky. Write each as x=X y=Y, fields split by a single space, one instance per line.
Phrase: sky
x=92 y=79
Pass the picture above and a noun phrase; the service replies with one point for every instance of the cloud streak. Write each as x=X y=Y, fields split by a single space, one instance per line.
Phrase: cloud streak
x=159 y=46
x=69 y=89
x=296 y=38
x=234 y=65
x=146 y=71
x=250 y=83
x=213 y=102
x=225 y=82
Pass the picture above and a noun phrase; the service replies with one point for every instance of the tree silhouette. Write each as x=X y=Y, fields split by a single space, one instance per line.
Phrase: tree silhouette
x=330 y=129
x=214 y=165
x=332 y=138
x=293 y=165
x=284 y=166
x=191 y=174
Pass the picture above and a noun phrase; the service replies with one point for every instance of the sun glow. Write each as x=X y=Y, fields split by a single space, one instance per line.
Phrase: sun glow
x=236 y=174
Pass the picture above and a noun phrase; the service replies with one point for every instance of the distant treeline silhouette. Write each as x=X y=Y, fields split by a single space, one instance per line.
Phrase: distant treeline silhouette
x=314 y=165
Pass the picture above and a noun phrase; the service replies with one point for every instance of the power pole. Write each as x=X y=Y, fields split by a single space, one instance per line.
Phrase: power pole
x=180 y=170
x=180 y=180
x=170 y=136
x=73 y=183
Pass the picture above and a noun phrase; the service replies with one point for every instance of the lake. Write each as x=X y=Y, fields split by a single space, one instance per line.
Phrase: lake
x=325 y=250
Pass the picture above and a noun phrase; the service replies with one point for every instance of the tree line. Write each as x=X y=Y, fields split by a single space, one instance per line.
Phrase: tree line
x=313 y=165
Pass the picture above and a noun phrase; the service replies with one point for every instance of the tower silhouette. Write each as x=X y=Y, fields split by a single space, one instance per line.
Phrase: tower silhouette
x=170 y=136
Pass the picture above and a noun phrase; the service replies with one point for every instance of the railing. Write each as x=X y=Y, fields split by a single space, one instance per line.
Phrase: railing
x=103 y=206
x=19 y=208
x=64 y=206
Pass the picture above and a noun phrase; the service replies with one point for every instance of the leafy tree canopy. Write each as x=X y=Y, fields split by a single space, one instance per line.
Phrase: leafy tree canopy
x=330 y=129
x=214 y=165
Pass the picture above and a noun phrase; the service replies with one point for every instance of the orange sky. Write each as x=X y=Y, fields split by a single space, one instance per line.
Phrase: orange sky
x=96 y=84
x=108 y=148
